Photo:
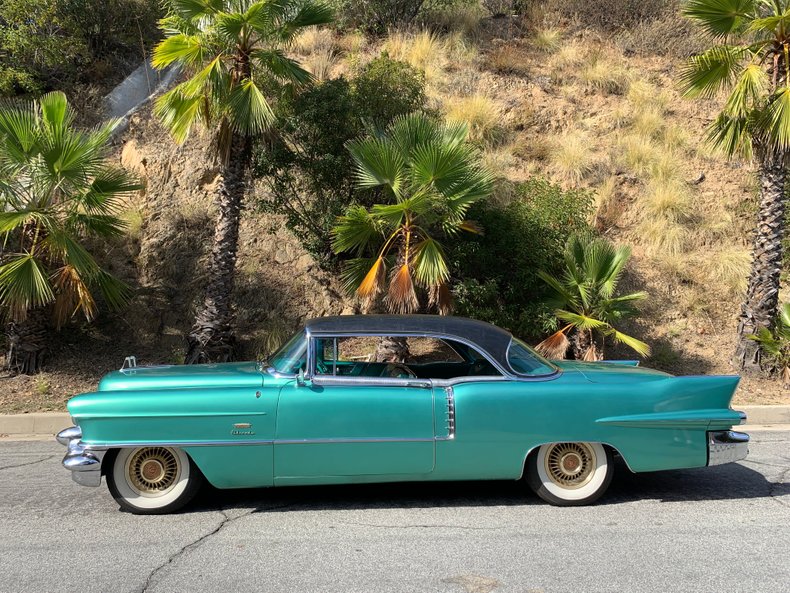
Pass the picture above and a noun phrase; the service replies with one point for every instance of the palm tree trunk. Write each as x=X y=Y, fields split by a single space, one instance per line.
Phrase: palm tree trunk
x=762 y=296
x=27 y=343
x=211 y=338
x=583 y=346
x=392 y=349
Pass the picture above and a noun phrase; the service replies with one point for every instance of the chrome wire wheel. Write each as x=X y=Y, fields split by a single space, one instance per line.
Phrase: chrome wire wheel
x=570 y=465
x=153 y=470
x=152 y=480
x=570 y=473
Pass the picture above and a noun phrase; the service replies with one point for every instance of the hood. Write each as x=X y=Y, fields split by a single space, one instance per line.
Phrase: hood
x=610 y=372
x=234 y=374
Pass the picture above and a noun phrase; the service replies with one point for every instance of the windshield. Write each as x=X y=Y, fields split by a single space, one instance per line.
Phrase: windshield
x=525 y=361
x=291 y=357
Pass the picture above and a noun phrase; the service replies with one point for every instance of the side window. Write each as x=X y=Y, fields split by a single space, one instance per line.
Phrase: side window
x=399 y=357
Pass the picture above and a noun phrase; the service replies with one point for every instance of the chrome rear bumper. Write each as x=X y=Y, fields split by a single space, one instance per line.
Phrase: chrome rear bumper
x=726 y=446
x=84 y=464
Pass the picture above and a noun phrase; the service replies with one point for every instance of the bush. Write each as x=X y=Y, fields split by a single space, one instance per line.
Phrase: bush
x=309 y=172
x=47 y=44
x=379 y=16
x=496 y=274
x=386 y=88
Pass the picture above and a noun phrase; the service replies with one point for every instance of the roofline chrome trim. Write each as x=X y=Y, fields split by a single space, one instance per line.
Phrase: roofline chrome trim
x=437 y=336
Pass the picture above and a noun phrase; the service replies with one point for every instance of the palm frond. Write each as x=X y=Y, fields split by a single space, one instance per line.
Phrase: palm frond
x=401 y=297
x=731 y=135
x=636 y=345
x=373 y=282
x=179 y=112
x=774 y=121
x=282 y=67
x=308 y=14
x=580 y=321
x=72 y=296
x=748 y=91
x=189 y=50
x=555 y=346
x=720 y=18
x=378 y=163
x=250 y=112
x=23 y=285
x=430 y=263
x=710 y=72
x=355 y=231
x=440 y=297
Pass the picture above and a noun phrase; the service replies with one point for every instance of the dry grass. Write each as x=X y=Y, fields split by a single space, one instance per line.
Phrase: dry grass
x=728 y=268
x=670 y=200
x=648 y=123
x=569 y=56
x=572 y=157
x=313 y=40
x=644 y=95
x=481 y=114
x=638 y=155
x=499 y=160
x=321 y=63
x=603 y=75
x=608 y=208
x=506 y=59
x=548 y=39
x=663 y=237
x=424 y=50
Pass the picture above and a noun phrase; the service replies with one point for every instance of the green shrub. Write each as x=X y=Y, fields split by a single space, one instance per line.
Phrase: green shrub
x=379 y=16
x=47 y=44
x=308 y=172
x=386 y=88
x=496 y=274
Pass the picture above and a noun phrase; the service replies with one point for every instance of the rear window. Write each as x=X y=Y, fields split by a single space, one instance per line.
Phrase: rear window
x=525 y=361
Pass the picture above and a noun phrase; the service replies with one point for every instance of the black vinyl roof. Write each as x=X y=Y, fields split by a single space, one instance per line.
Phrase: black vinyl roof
x=489 y=338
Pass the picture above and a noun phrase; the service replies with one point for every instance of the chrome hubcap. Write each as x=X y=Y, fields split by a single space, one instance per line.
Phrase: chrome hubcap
x=570 y=465
x=153 y=470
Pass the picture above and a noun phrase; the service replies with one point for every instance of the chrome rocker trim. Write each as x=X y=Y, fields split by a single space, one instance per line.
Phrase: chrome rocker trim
x=84 y=464
x=727 y=446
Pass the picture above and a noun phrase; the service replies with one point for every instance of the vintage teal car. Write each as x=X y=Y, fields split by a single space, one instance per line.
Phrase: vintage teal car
x=465 y=401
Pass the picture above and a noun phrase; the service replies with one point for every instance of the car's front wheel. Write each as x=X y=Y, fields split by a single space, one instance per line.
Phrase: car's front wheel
x=153 y=480
x=570 y=474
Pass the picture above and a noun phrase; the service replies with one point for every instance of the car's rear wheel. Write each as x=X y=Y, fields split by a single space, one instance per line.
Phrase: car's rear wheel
x=570 y=474
x=153 y=480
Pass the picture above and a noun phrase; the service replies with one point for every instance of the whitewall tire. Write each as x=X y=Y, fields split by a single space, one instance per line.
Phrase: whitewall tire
x=153 y=480
x=570 y=474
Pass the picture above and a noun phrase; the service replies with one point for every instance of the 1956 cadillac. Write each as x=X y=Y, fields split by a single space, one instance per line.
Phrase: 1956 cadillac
x=469 y=402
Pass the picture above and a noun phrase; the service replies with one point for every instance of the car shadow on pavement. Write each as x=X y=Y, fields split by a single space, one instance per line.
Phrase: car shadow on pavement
x=727 y=482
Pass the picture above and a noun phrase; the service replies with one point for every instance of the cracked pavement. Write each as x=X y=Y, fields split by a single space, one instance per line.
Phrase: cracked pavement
x=719 y=528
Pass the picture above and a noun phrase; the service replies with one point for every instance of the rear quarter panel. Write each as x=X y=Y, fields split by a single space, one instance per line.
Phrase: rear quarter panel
x=655 y=424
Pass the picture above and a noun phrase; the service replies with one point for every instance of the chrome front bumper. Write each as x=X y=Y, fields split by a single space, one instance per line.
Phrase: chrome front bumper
x=84 y=463
x=726 y=446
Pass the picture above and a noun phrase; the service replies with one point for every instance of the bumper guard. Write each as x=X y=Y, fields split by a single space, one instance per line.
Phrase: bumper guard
x=84 y=463
x=726 y=446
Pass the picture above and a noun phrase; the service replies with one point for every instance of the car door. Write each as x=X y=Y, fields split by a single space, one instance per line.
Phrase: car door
x=350 y=421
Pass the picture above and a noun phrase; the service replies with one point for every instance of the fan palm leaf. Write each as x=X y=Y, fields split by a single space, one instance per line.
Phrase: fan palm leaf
x=432 y=178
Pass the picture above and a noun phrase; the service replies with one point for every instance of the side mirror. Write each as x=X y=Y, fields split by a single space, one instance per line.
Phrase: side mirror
x=300 y=378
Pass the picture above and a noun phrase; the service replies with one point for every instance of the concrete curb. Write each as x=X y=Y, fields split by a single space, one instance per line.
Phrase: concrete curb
x=48 y=423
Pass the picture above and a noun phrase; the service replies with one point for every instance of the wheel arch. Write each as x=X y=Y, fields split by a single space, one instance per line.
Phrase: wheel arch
x=534 y=450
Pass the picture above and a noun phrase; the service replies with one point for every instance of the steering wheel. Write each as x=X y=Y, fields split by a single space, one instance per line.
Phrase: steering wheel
x=396 y=369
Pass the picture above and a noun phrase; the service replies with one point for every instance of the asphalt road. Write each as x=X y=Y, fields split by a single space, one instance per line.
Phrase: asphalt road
x=724 y=529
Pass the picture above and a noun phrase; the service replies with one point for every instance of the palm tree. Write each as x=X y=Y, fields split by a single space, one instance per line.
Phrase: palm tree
x=430 y=176
x=233 y=51
x=775 y=344
x=57 y=190
x=750 y=61
x=586 y=298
